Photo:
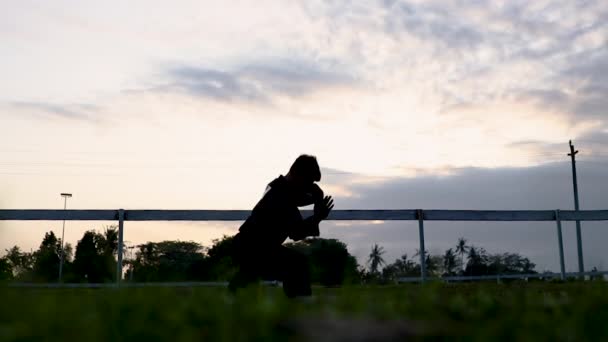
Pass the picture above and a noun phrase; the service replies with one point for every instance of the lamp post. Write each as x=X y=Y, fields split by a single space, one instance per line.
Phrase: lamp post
x=65 y=204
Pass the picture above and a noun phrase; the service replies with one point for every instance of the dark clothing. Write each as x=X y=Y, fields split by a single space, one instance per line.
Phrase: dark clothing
x=277 y=217
x=272 y=263
x=258 y=246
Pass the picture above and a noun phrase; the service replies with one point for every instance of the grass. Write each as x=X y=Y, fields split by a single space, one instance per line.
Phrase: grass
x=482 y=312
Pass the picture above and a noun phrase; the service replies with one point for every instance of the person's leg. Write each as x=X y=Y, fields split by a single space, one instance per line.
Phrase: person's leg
x=248 y=266
x=294 y=271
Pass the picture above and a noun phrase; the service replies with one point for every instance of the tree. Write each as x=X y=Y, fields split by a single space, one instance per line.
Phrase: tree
x=462 y=248
x=6 y=269
x=109 y=243
x=432 y=263
x=527 y=266
x=509 y=263
x=68 y=252
x=330 y=262
x=108 y=249
x=87 y=265
x=21 y=263
x=375 y=259
x=170 y=261
x=221 y=264
x=46 y=259
x=401 y=268
x=449 y=262
x=477 y=261
x=94 y=258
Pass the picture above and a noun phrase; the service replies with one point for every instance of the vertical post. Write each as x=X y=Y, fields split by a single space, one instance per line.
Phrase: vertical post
x=560 y=244
x=579 y=242
x=420 y=215
x=121 y=219
x=62 y=255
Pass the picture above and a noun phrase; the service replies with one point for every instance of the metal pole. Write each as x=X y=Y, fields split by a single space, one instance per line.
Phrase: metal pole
x=65 y=204
x=121 y=219
x=579 y=242
x=420 y=215
x=560 y=244
x=61 y=255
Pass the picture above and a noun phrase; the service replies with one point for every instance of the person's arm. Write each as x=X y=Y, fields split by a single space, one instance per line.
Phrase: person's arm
x=305 y=228
x=310 y=226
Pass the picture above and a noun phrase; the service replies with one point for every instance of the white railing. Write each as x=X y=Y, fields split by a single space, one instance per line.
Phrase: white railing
x=419 y=215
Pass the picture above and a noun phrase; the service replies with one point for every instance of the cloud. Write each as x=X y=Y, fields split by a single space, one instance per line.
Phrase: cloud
x=592 y=74
x=541 y=187
x=577 y=91
x=544 y=187
x=599 y=137
x=257 y=82
x=593 y=146
x=520 y=52
x=77 y=112
x=432 y=22
x=213 y=84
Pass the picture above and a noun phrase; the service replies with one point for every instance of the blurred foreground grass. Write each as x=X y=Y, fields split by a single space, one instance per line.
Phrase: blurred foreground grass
x=531 y=312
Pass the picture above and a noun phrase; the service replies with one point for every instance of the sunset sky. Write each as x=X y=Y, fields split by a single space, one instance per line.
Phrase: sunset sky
x=446 y=104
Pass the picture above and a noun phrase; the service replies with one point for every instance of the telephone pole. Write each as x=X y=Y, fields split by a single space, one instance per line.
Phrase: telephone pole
x=579 y=242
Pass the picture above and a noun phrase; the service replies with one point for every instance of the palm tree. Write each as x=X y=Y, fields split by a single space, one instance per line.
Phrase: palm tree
x=473 y=254
x=449 y=261
x=462 y=248
x=478 y=258
x=473 y=259
x=110 y=236
x=375 y=258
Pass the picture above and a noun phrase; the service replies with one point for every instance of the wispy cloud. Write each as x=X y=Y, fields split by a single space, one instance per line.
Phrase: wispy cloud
x=76 y=112
x=593 y=145
x=432 y=22
x=256 y=82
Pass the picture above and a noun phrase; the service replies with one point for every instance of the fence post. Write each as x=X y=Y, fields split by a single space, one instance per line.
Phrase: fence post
x=560 y=244
x=121 y=219
x=420 y=215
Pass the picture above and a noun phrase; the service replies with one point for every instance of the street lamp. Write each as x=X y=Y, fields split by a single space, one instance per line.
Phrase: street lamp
x=65 y=204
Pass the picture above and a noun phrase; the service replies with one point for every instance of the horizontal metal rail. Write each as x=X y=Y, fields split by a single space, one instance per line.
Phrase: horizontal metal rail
x=339 y=215
x=504 y=276
x=419 y=215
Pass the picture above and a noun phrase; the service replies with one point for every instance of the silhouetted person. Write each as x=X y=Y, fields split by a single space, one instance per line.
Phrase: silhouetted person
x=258 y=248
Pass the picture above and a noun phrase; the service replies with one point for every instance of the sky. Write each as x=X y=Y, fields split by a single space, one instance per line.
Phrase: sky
x=446 y=104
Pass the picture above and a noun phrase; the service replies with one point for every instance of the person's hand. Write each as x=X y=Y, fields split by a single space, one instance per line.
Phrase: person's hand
x=316 y=193
x=309 y=195
x=323 y=207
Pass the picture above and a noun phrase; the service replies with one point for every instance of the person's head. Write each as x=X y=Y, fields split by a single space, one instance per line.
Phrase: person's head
x=305 y=170
x=302 y=176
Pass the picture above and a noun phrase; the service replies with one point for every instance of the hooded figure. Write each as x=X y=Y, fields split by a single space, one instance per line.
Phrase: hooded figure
x=258 y=249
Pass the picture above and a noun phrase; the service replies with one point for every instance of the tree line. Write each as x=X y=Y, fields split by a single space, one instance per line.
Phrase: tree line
x=460 y=260
x=93 y=260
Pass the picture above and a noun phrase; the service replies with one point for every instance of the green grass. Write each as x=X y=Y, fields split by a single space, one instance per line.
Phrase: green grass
x=530 y=312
